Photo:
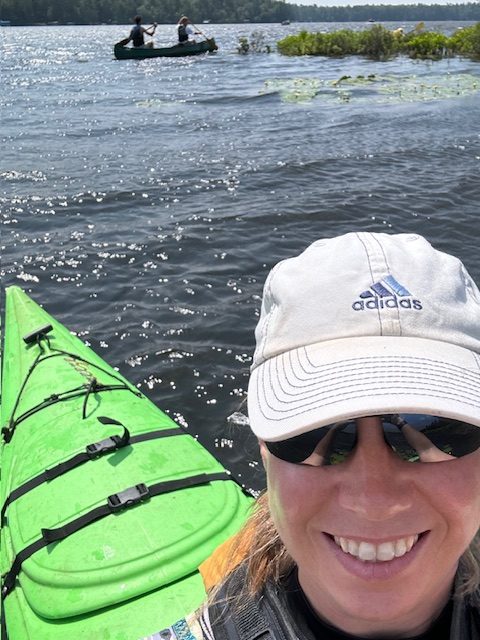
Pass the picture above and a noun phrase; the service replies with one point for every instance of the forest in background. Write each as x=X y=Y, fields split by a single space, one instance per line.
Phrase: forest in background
x=27 y=12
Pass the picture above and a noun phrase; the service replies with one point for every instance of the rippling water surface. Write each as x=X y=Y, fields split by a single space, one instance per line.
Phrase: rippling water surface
x=143 y=202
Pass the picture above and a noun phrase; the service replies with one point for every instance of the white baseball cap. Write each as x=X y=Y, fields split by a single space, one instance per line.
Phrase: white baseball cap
x=365 y=324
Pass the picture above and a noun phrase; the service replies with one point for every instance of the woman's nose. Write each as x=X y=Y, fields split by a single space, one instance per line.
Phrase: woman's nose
x=375 y=484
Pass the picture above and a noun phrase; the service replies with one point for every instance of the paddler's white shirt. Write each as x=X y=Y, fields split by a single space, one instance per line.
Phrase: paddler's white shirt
x=190 y=31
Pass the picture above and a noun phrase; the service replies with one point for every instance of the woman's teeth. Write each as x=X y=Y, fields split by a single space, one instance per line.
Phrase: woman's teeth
x=383 y=552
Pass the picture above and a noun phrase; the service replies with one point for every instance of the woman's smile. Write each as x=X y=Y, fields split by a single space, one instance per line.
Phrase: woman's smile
x=376 y=552
x=376 y=561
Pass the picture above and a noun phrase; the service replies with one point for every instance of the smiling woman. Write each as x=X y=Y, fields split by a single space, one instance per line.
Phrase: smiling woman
x=364 y=395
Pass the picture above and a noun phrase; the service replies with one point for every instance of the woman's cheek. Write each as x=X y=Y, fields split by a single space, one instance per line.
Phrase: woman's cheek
x=292 y=496
x=456 y=485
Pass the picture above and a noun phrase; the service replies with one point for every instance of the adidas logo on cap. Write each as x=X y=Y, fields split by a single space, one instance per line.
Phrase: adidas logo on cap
x=387 y=293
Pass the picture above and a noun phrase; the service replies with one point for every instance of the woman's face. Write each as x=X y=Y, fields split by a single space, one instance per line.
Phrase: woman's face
x=418 y=517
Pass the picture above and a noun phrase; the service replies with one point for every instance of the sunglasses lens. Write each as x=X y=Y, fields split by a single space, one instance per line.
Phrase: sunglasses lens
x=324 y=446
x=413 y=437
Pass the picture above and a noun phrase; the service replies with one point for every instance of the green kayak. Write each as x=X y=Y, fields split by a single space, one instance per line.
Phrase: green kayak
x=139 y=53
x=108 y=506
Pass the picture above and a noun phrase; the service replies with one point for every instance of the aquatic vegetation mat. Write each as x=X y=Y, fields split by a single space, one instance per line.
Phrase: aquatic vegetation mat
x=375 y=88
x=294 y=89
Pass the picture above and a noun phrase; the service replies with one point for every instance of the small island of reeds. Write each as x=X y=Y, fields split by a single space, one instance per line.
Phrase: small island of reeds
x=380 y=43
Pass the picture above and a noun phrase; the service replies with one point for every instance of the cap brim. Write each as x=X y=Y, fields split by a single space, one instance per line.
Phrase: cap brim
x=312 y=386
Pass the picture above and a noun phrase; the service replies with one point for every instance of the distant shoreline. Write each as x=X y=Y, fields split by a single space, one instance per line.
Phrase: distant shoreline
x=212 y=24
x=104 y=12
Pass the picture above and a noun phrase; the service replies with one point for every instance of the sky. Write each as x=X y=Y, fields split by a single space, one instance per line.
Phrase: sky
x=341 y=3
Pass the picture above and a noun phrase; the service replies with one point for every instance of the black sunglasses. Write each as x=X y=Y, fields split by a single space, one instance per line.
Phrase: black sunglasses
x=413 y=437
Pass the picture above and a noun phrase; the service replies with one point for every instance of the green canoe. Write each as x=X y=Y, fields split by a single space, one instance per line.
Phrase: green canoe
x=108 y=506
x=139 y=53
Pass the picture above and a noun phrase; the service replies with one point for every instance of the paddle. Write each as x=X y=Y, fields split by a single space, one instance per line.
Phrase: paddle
x=200 y=33
x=153 y=28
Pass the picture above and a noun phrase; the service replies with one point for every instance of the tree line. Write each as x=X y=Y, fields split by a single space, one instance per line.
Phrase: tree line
x=27 y=12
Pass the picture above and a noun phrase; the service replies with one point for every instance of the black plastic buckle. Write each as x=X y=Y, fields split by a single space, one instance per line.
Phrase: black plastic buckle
x=7 y=434
x=38 y=333
x=128 y=498
x=103 y=446
x=7 y=584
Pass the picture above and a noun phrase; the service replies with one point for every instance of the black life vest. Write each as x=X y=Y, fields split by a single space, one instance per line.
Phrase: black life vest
x=267 y=616
x=182 y=33
x=136 y=34
x=257 y=618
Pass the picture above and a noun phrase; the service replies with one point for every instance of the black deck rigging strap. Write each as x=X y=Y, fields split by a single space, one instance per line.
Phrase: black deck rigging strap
x=115 y=503
x=92 y=452
x=3 y=624
x=92 y=386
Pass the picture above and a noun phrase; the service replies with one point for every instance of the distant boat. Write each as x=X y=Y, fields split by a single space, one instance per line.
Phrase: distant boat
x=177 y=51
x=5 y=23
x=285 y=22
x=206 y=21
x=371 y=20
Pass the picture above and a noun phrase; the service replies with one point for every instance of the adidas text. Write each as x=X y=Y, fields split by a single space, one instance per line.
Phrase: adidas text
x=386 y=303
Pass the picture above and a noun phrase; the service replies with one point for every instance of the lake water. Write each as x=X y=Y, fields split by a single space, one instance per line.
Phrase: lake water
x=143 y=202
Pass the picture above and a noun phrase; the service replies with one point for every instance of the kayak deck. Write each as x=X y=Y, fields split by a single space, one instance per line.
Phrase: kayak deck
x=167 y=502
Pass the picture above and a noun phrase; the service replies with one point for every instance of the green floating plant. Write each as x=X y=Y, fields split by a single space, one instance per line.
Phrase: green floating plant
x=380 y=43
x=355 y=81
x=441 y=87
x=374 y=88
x=293 y=89
x=255 y=44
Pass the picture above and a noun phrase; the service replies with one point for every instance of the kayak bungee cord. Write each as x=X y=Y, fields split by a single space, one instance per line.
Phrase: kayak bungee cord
x=92 y=386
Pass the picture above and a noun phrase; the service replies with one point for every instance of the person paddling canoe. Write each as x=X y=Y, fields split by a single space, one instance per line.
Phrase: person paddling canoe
x=137 y=34
x=186 y=31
